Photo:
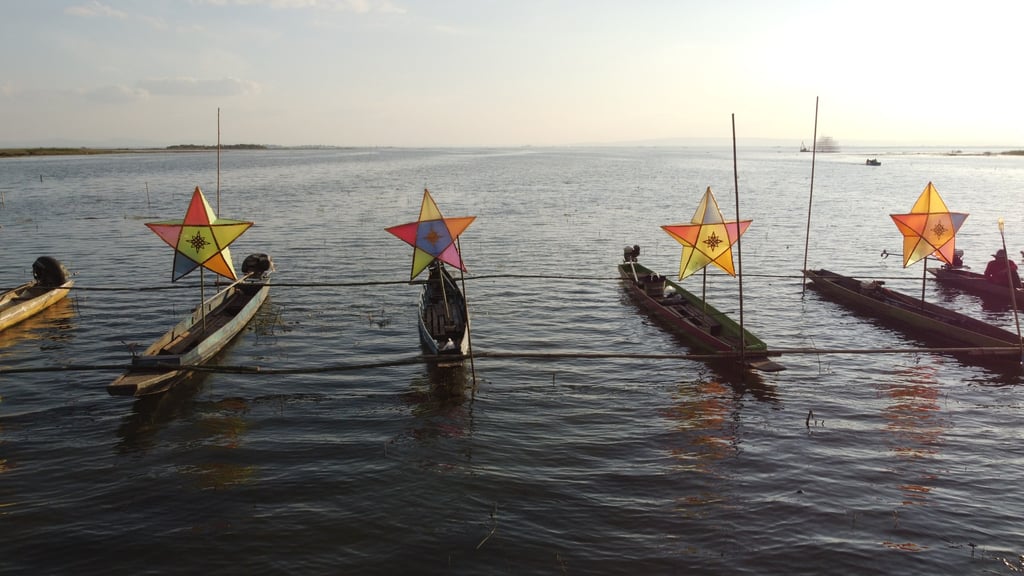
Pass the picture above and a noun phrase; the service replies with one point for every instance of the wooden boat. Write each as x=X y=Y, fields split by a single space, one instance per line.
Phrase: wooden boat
x=702 y=326
x=49 y=286
x=976 y=283
x=443 y=318
x=927 y=321
x=873 y=162
x=200 y=336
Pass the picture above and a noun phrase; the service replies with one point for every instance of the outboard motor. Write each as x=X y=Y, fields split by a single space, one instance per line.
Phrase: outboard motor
x=48 y=271
x=630 y=254
x=257 y=264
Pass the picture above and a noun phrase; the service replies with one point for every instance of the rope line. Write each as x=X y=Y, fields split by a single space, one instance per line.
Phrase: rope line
x=408 y=282
x=420 y=359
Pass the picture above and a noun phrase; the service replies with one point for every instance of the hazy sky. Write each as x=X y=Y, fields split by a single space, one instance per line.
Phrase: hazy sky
x=508 y=72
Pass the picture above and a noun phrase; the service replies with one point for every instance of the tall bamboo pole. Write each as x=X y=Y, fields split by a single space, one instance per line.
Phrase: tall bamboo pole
x=739 y=245
x=469 y=333
x=218 y=161
x=810 y=198
x=1013 y=289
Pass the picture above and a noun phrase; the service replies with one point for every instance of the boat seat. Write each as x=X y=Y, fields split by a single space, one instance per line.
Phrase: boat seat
x=178 y=344
x=714 y=327
x=435 y=321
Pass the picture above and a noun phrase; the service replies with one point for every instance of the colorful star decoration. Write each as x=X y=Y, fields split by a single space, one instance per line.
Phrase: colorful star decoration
x=200 y=239
x=930 y=228
x=708 y=239
x=433 y=236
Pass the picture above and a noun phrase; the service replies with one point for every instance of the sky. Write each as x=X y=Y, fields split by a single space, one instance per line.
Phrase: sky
x=455 y=73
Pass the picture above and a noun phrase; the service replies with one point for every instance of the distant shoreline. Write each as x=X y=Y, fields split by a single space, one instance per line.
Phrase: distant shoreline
x=87 y=151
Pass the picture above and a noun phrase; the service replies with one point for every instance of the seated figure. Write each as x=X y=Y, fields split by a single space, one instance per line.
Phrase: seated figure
x=996 y=271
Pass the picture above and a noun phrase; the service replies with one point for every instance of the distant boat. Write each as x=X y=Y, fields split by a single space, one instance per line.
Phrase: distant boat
x=826 y=145
x=873 y=162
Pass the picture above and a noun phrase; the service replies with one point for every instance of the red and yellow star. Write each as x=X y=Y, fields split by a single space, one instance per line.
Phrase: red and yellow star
x=200 y=239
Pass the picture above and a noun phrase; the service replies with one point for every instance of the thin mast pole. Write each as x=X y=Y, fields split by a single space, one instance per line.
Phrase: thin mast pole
x=810 y=198
x=218 y=161
x=469 y=333
x=924 y=277
x=704 y=290
x=202 y=297
x=444 y=289
x=739 y=245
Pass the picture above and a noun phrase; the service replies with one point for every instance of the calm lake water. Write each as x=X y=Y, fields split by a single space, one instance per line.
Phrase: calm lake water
x=348 y=461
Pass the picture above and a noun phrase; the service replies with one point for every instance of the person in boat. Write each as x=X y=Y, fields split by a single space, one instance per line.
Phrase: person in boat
x=996 y=272
x=958 y=258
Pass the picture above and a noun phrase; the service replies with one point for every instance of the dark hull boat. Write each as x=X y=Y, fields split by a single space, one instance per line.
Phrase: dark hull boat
x=443 y=318
x=928 y=322
x=49 y=286
x=976 y=283
x=200 y=336
x=702 y=326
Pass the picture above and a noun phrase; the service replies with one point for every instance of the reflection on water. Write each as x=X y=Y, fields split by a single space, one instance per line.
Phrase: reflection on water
x=49 y=327
x=222 y=425
x=217 y=426
x=743 y=381
x=4 y=466
x=450 y=382
x=953 y=298
x=915 y=424
x=706 y=415
x=440 y=403
x=150 y=414
x=700 y=412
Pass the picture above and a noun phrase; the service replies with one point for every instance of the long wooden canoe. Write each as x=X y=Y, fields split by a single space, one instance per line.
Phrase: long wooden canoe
x=49 y=287
x=197 y=338
x=924 y=320
x=702 y=326
x=976 y=283
x=443 y=318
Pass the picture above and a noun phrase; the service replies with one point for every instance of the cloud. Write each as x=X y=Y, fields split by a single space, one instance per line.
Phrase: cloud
x=452 y=30
x=95 y=9
x=357 y=6
x=153 y=22
x=114 y=94
x=227 y=86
